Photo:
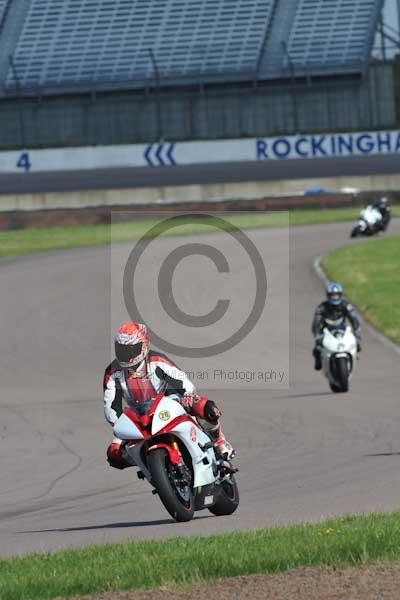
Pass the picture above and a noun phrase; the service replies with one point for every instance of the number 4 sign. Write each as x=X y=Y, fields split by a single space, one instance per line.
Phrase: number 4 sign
x=23 y=162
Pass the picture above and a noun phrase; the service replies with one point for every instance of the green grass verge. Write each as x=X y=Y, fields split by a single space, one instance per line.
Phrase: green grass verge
x=370 y=274
x=139 y=565
x=27 y=241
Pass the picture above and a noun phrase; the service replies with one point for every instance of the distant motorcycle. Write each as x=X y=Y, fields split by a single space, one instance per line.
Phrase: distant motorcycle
x=338 y=355
x=177 y=458
x=369 y=223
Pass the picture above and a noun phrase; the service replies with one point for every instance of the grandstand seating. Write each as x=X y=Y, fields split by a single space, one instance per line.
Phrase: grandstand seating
x=93 y=40
x=68 y=45
x=3 y=4
x=334 y=34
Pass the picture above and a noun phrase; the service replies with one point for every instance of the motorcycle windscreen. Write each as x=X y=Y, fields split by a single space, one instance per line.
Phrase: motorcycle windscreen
x=141 y=392
x=336 y=325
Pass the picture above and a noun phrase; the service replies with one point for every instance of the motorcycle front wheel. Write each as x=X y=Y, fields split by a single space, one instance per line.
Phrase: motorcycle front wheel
x=355 y=231
x=334 y=388
x=175 y=494
x=342 y=374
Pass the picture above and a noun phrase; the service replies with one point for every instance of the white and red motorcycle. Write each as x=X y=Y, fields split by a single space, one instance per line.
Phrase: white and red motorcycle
x=338 y=355
x=177 y=457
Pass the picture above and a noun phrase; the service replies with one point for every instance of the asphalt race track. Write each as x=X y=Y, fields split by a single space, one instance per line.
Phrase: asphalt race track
x=100 y=179
x=304 y=452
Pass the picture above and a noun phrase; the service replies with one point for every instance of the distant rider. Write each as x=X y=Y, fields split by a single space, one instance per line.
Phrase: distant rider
x=137 y=374
x=384 y=208
x=333 y=313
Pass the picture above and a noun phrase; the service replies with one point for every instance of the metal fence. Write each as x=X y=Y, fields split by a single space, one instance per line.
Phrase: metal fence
x=205 y=112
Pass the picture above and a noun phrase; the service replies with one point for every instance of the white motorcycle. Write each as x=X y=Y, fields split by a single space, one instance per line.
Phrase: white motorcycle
x=177 y=457
x=369 y=223
x=338 y=356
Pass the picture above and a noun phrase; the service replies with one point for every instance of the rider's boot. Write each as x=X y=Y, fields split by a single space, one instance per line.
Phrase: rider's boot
x=223 y=449
x=207 y=413
x=115 y=455
x=317 y=358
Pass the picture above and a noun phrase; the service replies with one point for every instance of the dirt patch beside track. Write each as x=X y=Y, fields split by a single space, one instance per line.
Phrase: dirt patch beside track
x=366 y=583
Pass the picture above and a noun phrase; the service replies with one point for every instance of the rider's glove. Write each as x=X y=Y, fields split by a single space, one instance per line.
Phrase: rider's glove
x=188 y=400
x=201 y=407
x=211 y=411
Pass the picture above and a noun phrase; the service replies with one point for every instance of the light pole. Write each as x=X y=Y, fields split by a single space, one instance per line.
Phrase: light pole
x=293 y=87
x=158 y=98
x=398 y=16
x=19 y=101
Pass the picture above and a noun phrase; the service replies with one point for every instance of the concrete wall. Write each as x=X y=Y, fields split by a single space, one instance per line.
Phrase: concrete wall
x=191 y=194
x=22 y=219
x=270 y=109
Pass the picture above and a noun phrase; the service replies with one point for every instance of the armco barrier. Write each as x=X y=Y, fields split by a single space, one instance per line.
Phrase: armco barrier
x=169 y=154
x=22 y=219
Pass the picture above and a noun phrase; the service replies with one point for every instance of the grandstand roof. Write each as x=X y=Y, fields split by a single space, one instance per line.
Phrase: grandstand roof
x=72 y=45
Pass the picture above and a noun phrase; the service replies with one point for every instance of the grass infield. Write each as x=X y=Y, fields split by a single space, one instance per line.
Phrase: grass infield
x=28 y=241
x=341 y=542
x=370 y=275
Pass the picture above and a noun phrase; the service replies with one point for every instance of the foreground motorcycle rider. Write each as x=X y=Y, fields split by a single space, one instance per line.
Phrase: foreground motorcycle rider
x=333 y=313
x=137 y=374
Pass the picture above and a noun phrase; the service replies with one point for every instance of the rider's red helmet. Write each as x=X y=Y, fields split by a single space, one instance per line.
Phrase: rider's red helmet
x=132 y=344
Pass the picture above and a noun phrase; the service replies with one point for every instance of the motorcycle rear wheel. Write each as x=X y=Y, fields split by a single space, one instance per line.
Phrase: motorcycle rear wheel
x=228 y=500
x=178 y=500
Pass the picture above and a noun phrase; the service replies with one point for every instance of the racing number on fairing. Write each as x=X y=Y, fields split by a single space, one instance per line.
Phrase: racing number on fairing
x=23 y=162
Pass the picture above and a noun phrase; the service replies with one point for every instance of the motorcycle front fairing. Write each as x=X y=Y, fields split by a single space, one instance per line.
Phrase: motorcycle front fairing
x=166 y=416
x=126 y=429
x=349 y=341
x=371 y=216
x=129 y=429
x=362 y=225
x=336 y=343
x=171 y=417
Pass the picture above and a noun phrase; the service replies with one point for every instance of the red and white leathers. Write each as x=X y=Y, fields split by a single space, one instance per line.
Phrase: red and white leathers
x=140 y=385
